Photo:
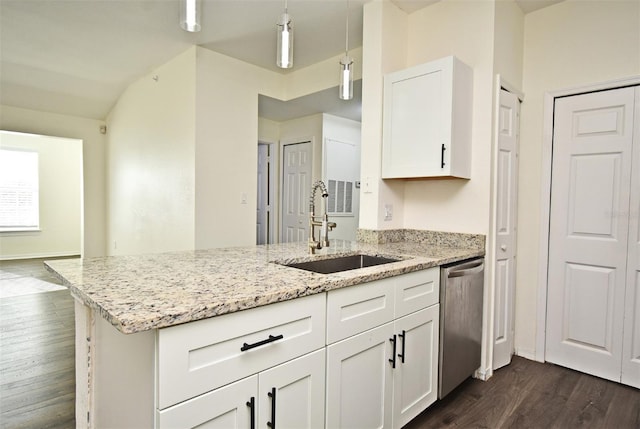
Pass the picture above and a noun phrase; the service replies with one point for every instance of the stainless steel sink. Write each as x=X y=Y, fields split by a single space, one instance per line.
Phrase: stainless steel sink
x=342 y=263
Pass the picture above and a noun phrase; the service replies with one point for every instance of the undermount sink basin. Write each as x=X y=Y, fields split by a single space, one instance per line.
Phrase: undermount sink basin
x=342 y=263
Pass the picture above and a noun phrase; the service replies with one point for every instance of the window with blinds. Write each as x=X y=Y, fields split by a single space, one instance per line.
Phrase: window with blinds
x=19 y=190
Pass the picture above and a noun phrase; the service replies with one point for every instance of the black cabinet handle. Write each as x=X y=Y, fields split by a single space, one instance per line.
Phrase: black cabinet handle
x=442 y=156
x=393 y=358
x=251 y=403
x=271 y=339
x=272 y=395
x=404 y=342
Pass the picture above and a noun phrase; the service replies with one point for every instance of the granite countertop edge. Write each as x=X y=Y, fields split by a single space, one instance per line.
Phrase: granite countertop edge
x=143 y=292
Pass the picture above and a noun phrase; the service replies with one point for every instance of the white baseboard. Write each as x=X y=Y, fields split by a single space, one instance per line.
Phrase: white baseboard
x=483 y=374
x=39 y=255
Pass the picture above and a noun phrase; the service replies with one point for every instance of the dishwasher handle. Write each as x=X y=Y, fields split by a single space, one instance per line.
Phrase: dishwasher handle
x=467 y=269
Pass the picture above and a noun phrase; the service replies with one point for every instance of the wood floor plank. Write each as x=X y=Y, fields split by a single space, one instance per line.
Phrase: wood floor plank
x=531 y=395
x=37 y=358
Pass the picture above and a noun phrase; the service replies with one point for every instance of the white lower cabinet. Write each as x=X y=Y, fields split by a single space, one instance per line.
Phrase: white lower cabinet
x=359 y=386
x=290 y=395
x=363 y=356
x=415 y=379
x=387 y=375
x=225 y=407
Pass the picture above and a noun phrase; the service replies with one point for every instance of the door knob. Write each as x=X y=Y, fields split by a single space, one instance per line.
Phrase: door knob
x=503 y=247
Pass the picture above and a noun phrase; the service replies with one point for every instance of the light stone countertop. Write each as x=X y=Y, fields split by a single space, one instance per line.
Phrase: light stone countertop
x=143 y=292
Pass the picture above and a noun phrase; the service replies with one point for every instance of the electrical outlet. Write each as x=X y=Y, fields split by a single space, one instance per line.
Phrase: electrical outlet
x=388 y=212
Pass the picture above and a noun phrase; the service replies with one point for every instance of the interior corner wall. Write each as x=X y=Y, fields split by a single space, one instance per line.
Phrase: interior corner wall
x=151 y=150
x=567 y=45
x=93 y=153
x=60 y=194
x=463 y=29
x=509 y=42
x=268 y=131
x=226 y=153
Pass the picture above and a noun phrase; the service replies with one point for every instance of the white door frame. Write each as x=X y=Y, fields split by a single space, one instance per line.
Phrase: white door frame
x=545 y=201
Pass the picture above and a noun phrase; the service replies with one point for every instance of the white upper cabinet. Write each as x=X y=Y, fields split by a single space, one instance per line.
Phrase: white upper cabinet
x=427 y=121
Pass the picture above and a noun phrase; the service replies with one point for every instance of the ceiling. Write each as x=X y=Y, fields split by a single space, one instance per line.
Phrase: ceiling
x=76 y=57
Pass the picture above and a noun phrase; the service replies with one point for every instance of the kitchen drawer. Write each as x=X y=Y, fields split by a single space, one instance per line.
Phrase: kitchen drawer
x=355 y=309
x=417 y=290
x=200 y=356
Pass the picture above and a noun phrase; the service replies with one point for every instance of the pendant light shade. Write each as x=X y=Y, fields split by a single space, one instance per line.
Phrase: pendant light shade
x=346 y=78
x=346 y=66
x=284 y=55
x=190 y=15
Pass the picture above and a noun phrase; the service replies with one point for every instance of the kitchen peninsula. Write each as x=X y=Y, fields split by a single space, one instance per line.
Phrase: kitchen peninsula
x=141 y=320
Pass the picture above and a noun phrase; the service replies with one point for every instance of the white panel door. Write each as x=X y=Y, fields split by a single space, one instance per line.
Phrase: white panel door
x=506 y=221
x=224 y=408
x=631 y=344
x=359 y=383
x=296 y=184
x=589 y=226
x=415 y=382
x=293 y=394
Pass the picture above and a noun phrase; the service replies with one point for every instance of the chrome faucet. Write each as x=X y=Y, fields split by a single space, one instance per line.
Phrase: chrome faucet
x=323 y=222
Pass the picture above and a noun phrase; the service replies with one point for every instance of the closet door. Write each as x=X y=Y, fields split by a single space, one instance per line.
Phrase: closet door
x=631 y=344
x=589 y=230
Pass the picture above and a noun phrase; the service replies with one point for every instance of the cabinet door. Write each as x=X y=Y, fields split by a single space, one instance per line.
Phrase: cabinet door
x=415 y=383
x=427 y=121
x=359 y=384
x=294 y=393
x=224 y=408
x=416 y=116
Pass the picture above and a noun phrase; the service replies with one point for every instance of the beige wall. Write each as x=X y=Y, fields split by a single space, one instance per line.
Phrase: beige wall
x=226 y=147
x=151 y=134
x=463 y=29
x=570 y=44
x=93 y=153
x=60 y=192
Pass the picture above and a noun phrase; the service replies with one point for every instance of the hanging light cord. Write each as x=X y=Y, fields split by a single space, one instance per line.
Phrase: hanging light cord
x=346 y=43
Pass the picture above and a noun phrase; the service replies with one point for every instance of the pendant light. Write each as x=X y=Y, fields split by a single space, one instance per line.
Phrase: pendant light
x=190 y=15
x=346 y=67
x=284 y=55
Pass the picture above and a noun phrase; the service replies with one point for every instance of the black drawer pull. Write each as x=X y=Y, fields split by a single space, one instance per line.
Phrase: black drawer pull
x=404 y=342
x=442 y=156
x=252 y=407
x=271 y=339
x=393 y=354
x=272 y=395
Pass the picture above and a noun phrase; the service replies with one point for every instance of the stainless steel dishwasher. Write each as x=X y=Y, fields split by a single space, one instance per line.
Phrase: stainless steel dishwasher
x=461 y=295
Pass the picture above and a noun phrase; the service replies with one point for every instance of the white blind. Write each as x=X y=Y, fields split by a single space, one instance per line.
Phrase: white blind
x=19 y=199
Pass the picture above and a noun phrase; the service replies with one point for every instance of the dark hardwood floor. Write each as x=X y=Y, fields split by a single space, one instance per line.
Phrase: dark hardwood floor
x=529 y=394
x=37 y=387
x=37 y=347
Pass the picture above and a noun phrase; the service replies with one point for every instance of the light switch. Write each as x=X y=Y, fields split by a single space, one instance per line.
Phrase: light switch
x=388 y=211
